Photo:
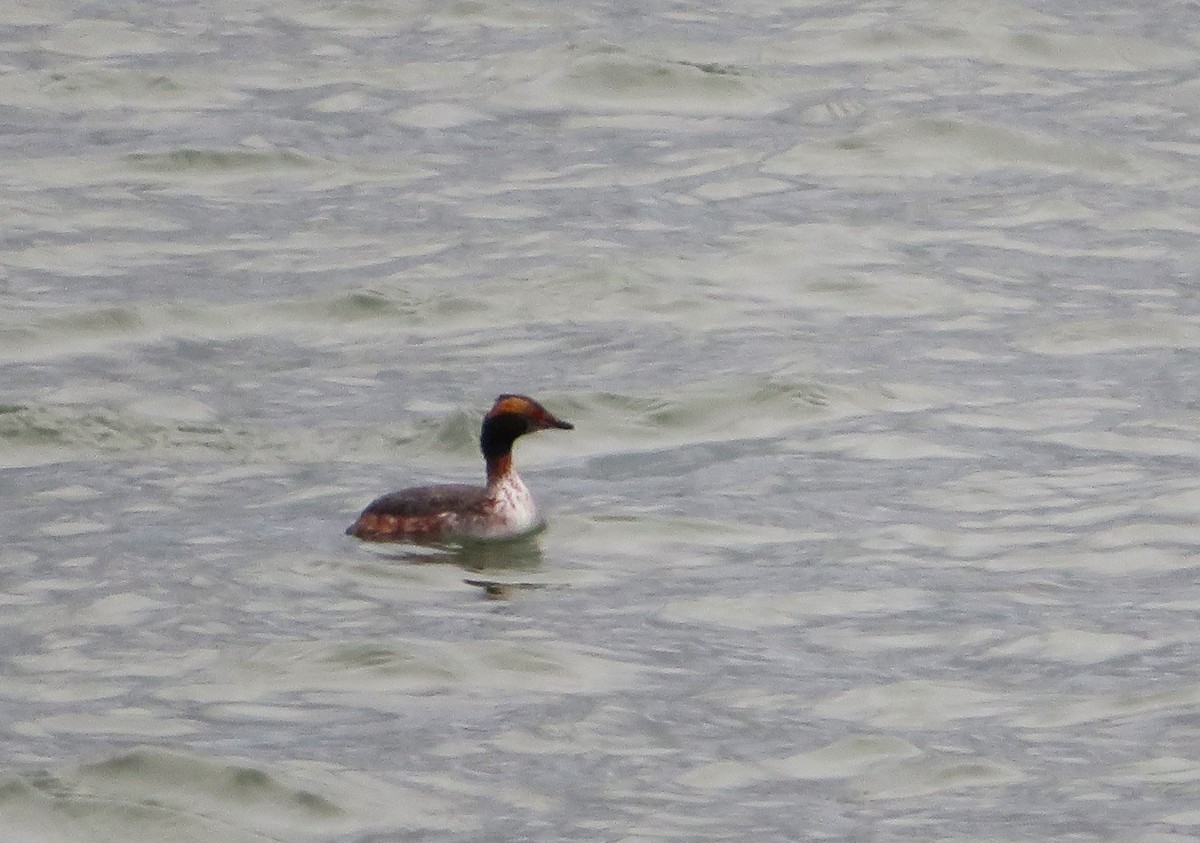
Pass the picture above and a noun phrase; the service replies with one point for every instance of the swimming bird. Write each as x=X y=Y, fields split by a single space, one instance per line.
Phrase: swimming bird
x=503 y=508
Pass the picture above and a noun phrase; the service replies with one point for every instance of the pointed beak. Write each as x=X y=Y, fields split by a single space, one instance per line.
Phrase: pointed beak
x=551 y=421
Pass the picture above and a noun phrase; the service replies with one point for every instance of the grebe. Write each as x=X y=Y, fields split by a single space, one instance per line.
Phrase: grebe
x=502 y=509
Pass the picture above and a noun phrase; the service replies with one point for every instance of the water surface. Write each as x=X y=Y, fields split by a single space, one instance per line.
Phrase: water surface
x=877 y=327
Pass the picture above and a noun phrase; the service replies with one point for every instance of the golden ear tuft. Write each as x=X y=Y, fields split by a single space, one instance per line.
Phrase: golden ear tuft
x=518 y=404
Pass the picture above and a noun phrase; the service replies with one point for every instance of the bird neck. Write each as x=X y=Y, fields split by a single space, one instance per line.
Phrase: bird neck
x=496 y=441
x=499 y=467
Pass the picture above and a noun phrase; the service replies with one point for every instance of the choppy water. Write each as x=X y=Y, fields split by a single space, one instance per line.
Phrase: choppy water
x=878 y=325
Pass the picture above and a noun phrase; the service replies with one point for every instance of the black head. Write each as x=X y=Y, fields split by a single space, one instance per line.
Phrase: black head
x=513 y=416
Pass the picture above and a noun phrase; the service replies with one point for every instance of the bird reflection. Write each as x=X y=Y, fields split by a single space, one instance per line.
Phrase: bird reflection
x=523 y=554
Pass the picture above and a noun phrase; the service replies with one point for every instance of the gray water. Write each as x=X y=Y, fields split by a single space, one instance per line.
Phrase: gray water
x=878 y=324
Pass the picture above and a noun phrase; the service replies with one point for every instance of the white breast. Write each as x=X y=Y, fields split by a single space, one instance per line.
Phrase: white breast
x=514 y=505
x=509 y=511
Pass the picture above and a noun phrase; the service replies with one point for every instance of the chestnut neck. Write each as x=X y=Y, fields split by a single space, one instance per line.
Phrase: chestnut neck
x=496 y=441
x=498 y=467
